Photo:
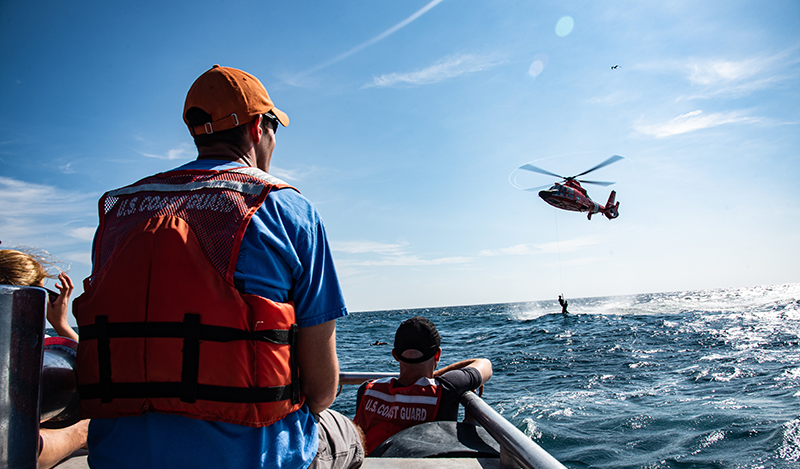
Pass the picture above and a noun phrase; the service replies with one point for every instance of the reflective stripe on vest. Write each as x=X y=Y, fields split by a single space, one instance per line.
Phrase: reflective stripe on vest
x=162 y=327
x=385 y=410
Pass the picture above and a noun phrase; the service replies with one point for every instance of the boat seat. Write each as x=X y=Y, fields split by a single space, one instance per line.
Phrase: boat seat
x=439 y=440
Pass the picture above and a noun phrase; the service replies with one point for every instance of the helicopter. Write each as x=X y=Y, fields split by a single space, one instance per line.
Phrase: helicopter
x=570 y=195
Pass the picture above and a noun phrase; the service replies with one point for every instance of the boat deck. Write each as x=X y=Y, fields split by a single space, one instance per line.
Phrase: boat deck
x=79 y=462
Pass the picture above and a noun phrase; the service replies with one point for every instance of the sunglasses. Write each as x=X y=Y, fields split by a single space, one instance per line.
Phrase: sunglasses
x=52 y=296
x=273 y=120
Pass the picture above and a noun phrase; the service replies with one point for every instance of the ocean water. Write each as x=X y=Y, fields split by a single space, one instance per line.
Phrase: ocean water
x=693 y=379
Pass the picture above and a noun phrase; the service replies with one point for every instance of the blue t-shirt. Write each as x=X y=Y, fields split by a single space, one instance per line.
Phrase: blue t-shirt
x=284 y=256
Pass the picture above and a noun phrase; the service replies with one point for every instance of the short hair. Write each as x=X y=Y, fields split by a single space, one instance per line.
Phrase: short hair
x=236 y=136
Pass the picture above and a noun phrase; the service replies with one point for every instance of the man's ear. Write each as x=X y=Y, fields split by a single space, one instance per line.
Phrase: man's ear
x=438 y=354
x=394 y=355
x=256 y=131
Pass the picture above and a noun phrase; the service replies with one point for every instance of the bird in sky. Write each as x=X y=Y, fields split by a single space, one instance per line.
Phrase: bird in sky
x=614 y=67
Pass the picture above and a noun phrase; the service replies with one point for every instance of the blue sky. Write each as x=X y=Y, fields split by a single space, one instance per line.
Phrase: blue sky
x=407 y=118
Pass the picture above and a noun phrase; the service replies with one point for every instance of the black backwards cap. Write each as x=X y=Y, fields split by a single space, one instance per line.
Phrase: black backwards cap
x=417 y=333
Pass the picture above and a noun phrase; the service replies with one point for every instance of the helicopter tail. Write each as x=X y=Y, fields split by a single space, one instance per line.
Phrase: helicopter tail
x=611 y=211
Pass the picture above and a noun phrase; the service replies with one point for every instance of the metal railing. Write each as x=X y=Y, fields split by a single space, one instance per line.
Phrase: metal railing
x=516 y=448
x=514 y=445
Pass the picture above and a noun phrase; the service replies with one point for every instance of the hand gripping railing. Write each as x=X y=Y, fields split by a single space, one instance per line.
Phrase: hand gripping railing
x=516 y=448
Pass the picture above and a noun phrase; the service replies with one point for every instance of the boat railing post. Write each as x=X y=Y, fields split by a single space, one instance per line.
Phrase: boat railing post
x=22 y=312
x=516 y=445
x=468 y=418
x=507 y=461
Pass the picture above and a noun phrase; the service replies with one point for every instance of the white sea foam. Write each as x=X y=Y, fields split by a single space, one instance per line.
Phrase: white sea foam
x=696 y=378
x=790 y=444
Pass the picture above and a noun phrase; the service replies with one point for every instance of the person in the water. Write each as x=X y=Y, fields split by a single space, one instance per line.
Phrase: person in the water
x=563 y=304
x=421 y=394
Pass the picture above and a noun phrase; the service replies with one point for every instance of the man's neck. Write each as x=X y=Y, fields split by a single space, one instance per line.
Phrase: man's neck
x=410 y=378
x=226 y=153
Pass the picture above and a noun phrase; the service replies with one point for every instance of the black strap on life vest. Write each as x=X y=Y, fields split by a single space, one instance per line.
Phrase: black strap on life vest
x=293 y=365
x=191 y=357
x=188 y=389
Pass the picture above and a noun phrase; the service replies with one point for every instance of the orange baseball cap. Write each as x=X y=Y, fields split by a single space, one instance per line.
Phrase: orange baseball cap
x=232 y=97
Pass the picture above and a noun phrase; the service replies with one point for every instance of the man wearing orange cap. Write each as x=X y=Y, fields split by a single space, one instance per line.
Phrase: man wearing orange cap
x=208 y=323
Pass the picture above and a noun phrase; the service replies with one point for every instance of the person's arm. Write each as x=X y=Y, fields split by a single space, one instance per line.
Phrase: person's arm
x=483 y=366
x=58 y=444
x=57 y=310
x=319 y=366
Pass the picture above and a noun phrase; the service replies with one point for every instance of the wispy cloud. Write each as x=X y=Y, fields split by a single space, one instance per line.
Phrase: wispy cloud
x=518 y=250
x=36 y=213
x=295 y=174
x=369 y=42
x=582 y=261
x=616 y=97
x=181 y=152
x=84 y=257
x=726 y=77
x=739 y=77
x=362 y=247
x=449 y=67
x=410 y=261
x=387 y=254
x=569 y=245
x=20 y=198
x=693 y=121
x=85 y=233
x=716 y=71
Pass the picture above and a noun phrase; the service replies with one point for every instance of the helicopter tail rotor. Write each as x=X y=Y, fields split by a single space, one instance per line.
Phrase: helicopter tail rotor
x=612 y=210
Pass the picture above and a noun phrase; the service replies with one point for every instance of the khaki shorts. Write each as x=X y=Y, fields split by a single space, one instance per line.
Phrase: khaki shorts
x=339 y=444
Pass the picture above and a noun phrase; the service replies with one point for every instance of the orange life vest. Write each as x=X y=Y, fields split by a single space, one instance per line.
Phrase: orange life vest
x=162 y=327
x=385 y=410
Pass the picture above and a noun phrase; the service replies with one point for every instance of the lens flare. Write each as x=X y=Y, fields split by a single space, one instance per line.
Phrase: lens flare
x=564 y=26
x=538 y=65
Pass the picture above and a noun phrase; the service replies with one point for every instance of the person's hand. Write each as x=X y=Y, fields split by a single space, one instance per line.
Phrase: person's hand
x=57 y=310
x=480 y=391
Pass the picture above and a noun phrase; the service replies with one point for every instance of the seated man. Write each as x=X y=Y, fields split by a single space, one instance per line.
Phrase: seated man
x=208 y=333
x=388 y=405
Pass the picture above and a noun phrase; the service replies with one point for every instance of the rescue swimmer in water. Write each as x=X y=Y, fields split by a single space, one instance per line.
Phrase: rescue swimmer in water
x=570 y=195
x=563 y=304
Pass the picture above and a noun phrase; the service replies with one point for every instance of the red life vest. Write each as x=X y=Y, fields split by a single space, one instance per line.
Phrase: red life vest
x=162 y=327
x=385 y=410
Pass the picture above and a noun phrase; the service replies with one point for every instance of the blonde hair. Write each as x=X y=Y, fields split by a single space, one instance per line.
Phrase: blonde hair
x=25 y=269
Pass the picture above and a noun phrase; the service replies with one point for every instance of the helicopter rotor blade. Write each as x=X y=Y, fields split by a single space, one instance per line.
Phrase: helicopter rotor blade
x=538 y=188
x=605 y=163
x=599 y=183
x=535 y=169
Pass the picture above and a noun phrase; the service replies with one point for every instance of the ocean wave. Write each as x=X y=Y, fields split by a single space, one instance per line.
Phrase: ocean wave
x=685 y=379
x=789 y=448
